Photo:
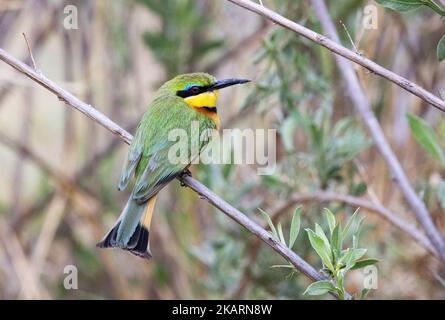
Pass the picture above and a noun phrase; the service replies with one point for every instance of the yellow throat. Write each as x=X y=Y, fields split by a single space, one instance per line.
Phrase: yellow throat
x=206 y=104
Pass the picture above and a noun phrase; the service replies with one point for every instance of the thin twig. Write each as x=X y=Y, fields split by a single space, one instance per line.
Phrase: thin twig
x=350 y=38
x=362 y=103
x=344 y=52
x=38 y=39
x=65 y=96
x=363 y=107
x=321 y=196
x=34 y=65
x=198 y=187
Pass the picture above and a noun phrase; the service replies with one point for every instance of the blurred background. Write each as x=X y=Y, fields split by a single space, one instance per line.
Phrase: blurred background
x=59 y=169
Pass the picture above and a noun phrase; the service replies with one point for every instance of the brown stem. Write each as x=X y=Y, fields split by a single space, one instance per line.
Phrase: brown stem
x=202 y=190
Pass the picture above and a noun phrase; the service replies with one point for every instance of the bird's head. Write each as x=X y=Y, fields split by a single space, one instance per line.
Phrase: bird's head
x=199 y=90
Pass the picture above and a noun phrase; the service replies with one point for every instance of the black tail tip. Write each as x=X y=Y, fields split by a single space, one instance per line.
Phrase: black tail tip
x=137 y=245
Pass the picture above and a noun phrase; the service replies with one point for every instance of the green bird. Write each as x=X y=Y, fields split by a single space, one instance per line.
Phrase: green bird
x=176 y=105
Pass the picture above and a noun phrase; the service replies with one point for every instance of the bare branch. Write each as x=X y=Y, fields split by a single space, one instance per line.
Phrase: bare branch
x=34 y=65
x=250 y=225
x=195 y=185
x=65 y=96
x=362 y=104
x=363 y=107
x=342 y=51
x=385 y=213
x=253 y=247
x=38 y=38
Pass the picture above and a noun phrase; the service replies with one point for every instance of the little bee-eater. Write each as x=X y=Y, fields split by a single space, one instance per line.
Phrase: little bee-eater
x=177 y=103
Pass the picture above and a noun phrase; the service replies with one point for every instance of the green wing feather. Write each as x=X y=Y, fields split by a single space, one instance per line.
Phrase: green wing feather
x=133 y=157
x=148 y=155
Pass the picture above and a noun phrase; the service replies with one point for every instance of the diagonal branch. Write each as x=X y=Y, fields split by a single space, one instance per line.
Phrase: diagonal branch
x=344 y=52
x=362 y=104
x=253 y=247
x=363 y=107
x=65 y=96
x=195 y=185
x=384 y=212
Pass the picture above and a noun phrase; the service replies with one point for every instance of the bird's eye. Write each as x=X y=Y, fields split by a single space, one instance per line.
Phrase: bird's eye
x=194 y=89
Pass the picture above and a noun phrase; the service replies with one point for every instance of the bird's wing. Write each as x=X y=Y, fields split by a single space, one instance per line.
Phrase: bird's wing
x=133 y=157
x=155 y=169
x=157 y=173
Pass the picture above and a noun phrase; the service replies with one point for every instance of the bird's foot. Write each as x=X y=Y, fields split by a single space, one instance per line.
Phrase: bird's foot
x=185 y=172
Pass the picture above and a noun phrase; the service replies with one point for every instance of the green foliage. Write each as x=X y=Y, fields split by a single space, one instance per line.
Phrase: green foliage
x=441 y=49
x=221 y=258
x=287 y=61
x=299 y=89
x=277 y=232
x=319 y=288
x=330 y=147
x=429 y=141
x=270 y=223
x=295 y=227
x=441 y=194
x=401 y=5
x=183 y=40
x=407 y=5
x=426 y=137
x=336 y=260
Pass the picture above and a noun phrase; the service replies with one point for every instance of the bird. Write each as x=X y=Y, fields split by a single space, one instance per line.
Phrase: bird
x=177 y=103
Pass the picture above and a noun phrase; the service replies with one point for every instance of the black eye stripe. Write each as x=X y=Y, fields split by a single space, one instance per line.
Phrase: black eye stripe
x=193 y=91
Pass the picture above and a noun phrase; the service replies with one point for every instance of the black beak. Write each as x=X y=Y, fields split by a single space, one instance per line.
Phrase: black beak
x=227 y=83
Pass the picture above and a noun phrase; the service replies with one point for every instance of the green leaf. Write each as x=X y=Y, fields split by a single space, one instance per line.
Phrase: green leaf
x=319 y=231
x=330 y=218
x=358 y=253
x=269 y=222
x=349 y=257
x=441 y=193
x=426 y=137
x=288 y=266
x=358 y=189
x=280 y=234
x=441 y=49
x=340 y=279
x=401 y=5
x=363 y=263
x=336 y=241
x=318 y=245
x=318 y=288
x=295 y=227
x=351 y=220
x=432 y=4
x=364 y=293
x=287 y=130
x=356 y=235
x=344 y=256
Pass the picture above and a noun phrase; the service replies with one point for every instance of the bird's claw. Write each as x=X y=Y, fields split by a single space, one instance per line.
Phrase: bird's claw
x=185 y=172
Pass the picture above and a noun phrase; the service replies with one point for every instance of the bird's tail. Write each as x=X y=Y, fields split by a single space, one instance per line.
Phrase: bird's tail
x=132 y=229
